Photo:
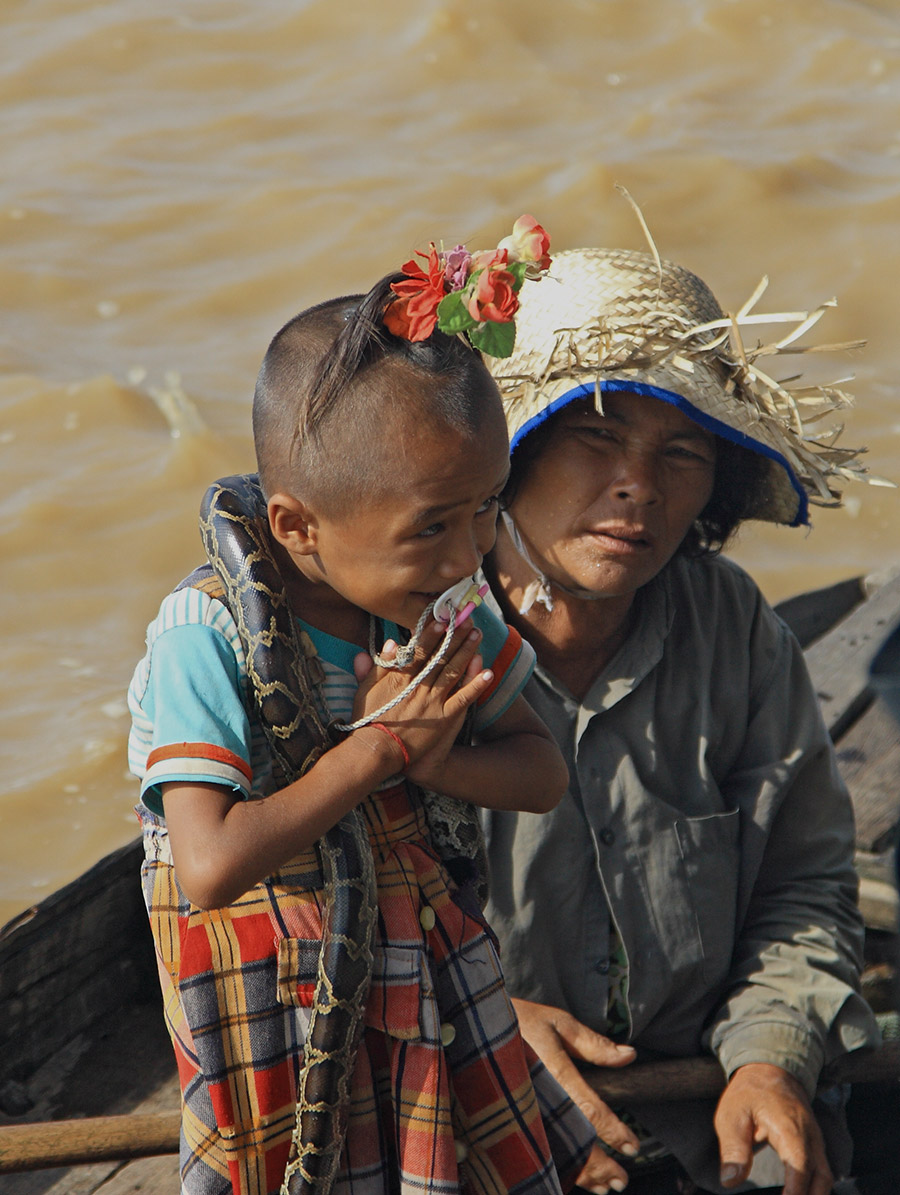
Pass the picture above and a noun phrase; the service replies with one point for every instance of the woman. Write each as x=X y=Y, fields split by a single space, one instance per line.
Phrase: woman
x=694 y=891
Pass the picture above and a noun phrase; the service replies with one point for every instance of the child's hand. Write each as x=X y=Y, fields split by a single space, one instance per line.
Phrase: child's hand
x=429 y=719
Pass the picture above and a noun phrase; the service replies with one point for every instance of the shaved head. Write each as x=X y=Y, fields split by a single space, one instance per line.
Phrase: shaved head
x=336 y=390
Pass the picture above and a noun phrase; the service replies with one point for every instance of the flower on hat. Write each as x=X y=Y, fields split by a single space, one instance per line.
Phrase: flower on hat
x=493 y=296
x=458 y=268
x=472 y=294
x=529 y=243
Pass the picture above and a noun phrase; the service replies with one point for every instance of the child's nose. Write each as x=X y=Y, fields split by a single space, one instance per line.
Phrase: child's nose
x=464 y=557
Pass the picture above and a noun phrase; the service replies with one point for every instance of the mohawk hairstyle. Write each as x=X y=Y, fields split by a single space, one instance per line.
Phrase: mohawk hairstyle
x=332 y=385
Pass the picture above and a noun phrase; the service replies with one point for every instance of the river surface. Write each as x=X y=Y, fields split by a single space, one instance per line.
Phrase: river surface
x=180 y=177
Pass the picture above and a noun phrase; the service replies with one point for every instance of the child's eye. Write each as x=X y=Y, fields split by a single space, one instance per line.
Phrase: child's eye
x=489 y=504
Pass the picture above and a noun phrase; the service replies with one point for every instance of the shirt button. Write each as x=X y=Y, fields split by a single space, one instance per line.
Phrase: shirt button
x=607 y=836
x=427 y=918
x=603 y=966
x=462 y=1151
x=448 y=1034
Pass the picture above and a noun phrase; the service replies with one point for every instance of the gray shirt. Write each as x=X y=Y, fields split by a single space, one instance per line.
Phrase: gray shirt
x=706 y=817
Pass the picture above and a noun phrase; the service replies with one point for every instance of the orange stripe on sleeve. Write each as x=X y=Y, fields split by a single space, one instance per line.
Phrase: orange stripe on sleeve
x=200 y=751
x=502 y=663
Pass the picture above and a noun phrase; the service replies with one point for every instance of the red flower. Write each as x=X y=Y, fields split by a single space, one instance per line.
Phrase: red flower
x=413 y=314
x=494 y=295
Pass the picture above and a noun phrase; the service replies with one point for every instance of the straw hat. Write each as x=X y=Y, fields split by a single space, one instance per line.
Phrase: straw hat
x=617 y=319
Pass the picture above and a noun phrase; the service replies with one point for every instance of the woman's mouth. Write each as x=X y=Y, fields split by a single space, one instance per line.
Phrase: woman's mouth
x=622 y=540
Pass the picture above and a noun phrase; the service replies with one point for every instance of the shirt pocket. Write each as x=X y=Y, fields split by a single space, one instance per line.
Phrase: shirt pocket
x=402 y=1001
x=710 y=859
x=298 y=962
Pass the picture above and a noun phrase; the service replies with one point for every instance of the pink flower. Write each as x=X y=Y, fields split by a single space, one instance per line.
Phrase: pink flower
x=528 y=242
x=456 y=271
x=413 y=314
x=494 y=296
x=487 y=259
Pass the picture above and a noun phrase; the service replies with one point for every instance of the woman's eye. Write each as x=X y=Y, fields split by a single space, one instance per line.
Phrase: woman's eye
x=434 y=529
x=688 y=455
x=592 y=432
x=491 y=503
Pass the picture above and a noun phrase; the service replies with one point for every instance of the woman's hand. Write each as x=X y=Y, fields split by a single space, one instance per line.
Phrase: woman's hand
x=559 y=1040
x=762 y=1102
x=428 y=720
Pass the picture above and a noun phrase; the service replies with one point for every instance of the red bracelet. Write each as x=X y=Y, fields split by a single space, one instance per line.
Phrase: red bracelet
x=400 y=743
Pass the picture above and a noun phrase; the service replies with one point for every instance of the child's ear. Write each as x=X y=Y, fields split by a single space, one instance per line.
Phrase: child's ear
x=293 y=524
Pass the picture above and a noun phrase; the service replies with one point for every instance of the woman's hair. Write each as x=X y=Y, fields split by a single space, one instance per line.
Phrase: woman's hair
x=332 y=385
x=739 y=483
x=738 y=486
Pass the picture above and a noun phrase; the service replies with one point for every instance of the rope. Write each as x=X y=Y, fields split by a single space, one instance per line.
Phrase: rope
x=404 y=655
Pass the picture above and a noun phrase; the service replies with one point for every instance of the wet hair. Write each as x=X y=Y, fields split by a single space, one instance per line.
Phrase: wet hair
x=335 y=386
x=739 y=488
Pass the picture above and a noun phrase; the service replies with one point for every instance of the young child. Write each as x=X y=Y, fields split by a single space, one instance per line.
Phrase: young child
x=381 y=457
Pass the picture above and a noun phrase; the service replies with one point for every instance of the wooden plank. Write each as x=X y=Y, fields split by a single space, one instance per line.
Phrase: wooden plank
x=810 y=615
x=878 y=901
x=885 y=673
x=153 y=1176
x=878 y=905
x=63 y=1180
x=868 y=756
x=839 y=662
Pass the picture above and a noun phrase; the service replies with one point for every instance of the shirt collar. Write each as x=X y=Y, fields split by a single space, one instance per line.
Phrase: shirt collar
x=635 y=659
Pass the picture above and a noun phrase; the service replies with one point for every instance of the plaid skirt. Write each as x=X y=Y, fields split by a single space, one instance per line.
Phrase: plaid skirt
x=446 y=1096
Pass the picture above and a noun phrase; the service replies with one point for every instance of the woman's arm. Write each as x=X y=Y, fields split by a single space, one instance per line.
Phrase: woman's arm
x=791 y=995
x=791 y=1001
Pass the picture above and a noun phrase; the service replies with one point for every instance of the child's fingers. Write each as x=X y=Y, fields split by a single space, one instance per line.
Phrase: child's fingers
x=362 y=666
x=468 y=693
x=431 y=639
x=455 y=666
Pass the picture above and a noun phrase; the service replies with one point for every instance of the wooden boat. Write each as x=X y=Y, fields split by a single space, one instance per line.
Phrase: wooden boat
x=81 y=1032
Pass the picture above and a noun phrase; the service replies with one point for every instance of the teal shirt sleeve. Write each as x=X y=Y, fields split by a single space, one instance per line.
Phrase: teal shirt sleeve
x=201 y=733
x=510 y=658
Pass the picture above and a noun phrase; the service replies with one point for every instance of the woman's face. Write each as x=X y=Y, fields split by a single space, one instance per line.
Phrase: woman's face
x=609 y=498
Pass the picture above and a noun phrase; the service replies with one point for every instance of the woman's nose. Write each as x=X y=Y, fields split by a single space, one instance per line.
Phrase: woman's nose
x=638 y=478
